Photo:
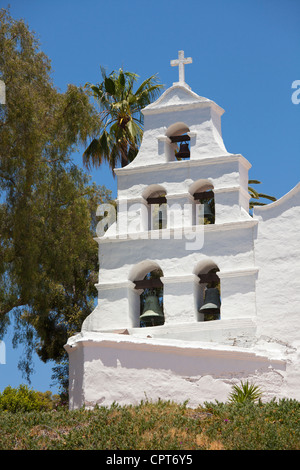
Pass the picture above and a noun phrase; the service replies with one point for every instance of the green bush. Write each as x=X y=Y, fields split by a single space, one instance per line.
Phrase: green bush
x=25 y=399
x=274 y=425
x=247 y=425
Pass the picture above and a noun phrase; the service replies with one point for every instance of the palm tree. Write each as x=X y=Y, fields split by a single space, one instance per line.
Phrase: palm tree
x=121 y=131
x=255 y=195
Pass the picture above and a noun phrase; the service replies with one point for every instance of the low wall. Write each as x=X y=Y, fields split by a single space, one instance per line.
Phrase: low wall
x=107 y=368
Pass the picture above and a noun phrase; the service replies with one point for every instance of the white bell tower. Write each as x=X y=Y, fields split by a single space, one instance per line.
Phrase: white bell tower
x=183 y=213
x=186 y=245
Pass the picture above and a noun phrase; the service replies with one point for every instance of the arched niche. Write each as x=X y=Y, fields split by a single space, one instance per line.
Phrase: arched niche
x=178 y=146
x=206 y=273
x=146 y=280
x=203 y=212
x=155 y=196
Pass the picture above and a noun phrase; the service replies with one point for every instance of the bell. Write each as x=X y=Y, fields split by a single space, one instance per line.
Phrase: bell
x=212 y=302
x=184 y=151
x=152 y=313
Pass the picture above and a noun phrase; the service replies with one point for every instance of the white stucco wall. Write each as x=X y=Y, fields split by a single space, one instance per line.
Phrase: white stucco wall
x=201 y=361
x=126 y=370
x=178 y=104
x=229 y=247
x=277 y=255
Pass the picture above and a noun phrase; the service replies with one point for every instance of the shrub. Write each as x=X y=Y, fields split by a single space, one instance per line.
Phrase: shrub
x=244 y=392
x=156 y=425
x=25 y=399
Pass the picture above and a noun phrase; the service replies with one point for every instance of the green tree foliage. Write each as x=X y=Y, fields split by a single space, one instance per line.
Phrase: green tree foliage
x=119 y=136
x=23 y=399
x=48 y=258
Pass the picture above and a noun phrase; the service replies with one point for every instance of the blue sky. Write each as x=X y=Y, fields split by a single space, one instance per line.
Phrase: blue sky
x=245 y=58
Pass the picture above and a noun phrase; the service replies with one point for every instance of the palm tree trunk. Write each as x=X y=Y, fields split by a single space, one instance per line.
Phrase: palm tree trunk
x=124 y=157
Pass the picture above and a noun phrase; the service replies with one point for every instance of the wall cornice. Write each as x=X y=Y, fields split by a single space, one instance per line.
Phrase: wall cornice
x=174 y=165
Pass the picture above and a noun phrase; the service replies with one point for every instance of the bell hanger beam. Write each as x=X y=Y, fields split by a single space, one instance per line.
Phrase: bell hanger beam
x=157 y=200
x=148 y=284
x=209 y=277
x=203 y=196
x=179 y=138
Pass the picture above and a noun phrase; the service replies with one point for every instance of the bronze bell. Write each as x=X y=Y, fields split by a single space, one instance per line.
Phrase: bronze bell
x=184 y=151
x=212 y=303
x=152 y=313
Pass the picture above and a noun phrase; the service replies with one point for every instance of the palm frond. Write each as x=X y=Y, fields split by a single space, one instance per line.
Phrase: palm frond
x=255 y=196
x=265 y=196
x=134 y=130
x=92 y=155
x=254 y=203
x=120 y=112
x=254 y=182
x=253 y=193
x=110 y=87
x=132 y=76
x=103 y=72
x=150 y=84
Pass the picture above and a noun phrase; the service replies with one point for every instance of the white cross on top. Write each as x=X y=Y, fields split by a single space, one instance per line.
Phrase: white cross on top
x=181 y=61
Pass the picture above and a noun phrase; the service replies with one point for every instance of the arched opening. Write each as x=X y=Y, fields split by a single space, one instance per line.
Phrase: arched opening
x=151 y=300
x=203 y=203
x=155 y=196
x=149 y=309
x=208 y=293
x=179 y=141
